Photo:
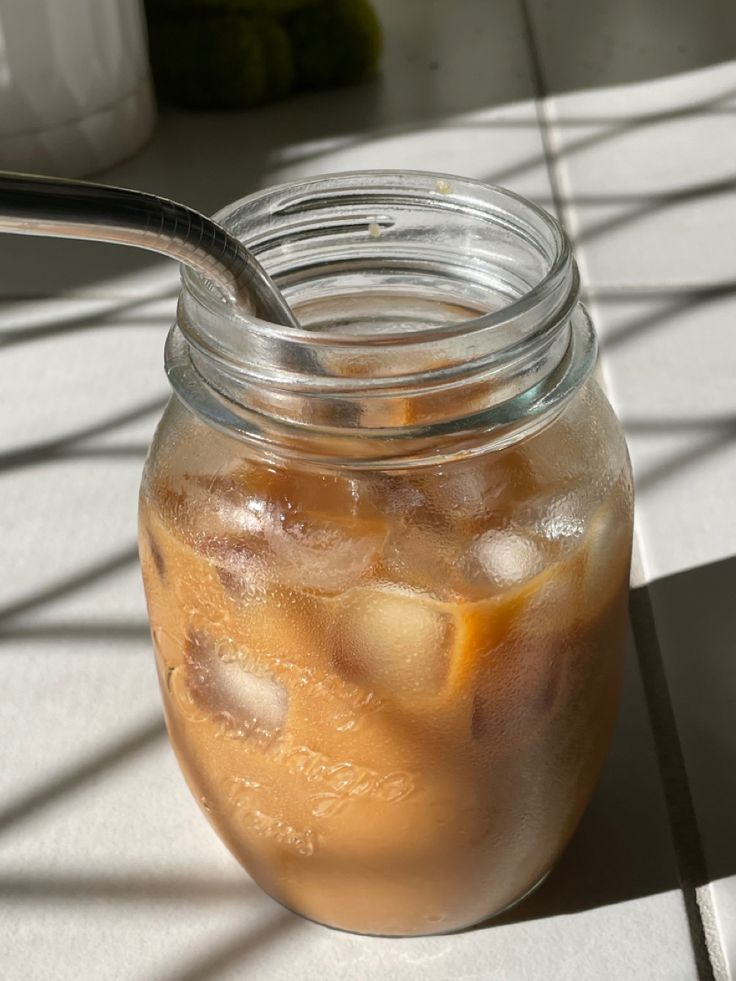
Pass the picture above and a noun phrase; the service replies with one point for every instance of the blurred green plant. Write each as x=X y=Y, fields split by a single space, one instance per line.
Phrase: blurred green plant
x=236 y=53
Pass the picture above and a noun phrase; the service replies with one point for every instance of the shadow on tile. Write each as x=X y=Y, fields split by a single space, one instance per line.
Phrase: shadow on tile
x=84 y=632
x=441 y=61
x=668 y=303
x=717 y=436
x=88 y=575
x=121 y=888
x=621 y=41
x=622 y=849
x=435 y=64
x=66 y=445
x=234 y=951
x=695 y=615
x=122 y=751
x=55 y=322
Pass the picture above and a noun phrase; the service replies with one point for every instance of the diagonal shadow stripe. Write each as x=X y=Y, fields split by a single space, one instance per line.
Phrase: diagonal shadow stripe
x=612 y=130
x=104 y=452
x=182 y=889
x=704 y=190
x=235 y=950
x=75 y=777
x=678 y=305
x=42 y=451
x=713 y=105
x=652 y=205
x=121 y=451
x=24 y=335
x=723 y=439
x=79 y=631
x=72 y=583
x=43 y=316
x=725 y=424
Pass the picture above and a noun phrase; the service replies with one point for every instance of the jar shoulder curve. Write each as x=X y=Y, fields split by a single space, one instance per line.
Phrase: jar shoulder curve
x=184 y=446
x=585 y=444
x=420 y=525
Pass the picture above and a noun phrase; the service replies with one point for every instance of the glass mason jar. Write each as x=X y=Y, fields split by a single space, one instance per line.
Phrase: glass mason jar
x=386 y=555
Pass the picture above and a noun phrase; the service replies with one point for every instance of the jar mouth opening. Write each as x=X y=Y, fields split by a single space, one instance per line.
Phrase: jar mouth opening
x=255 y=220
x=433 y=309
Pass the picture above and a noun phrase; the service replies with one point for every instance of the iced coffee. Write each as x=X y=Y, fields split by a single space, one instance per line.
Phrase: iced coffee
x=391 y=691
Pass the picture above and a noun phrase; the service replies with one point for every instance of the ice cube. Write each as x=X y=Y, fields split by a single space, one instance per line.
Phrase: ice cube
x=228 y=682
x=304 y=492
x=556 y=456
x=393 y=639
x=282 y=626
x=555 y=602
x=325 y=554
x=396 y=494
x=519 y=687
x=424 y=559
x=559 y=518
x=465 y=494
x=240 y=564
x=221 y=507
x=564 y=519
x=257 y=699
x=507 y=557
x=497 y=714
x=578 y=446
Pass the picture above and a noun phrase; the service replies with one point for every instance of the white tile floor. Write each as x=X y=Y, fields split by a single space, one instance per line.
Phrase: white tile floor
x=106 y=868
x=649 y=162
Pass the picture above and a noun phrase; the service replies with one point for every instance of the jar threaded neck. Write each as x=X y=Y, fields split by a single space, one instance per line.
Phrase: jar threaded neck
x=437 y=314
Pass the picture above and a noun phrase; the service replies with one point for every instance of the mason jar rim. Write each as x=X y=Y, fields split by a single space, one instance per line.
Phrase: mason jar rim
x=448 y=384
x=560 y=265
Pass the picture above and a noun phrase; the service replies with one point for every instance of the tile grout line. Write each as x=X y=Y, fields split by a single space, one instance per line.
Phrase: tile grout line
x=689 y=856
x=539 y=87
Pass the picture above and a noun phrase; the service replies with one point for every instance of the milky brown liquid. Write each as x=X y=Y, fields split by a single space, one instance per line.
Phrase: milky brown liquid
x=390 y=694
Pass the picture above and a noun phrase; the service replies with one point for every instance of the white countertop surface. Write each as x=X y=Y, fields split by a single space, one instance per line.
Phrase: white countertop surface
x=107 y=869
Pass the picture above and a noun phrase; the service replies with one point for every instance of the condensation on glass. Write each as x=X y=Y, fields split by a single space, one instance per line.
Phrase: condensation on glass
x=386 y=556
